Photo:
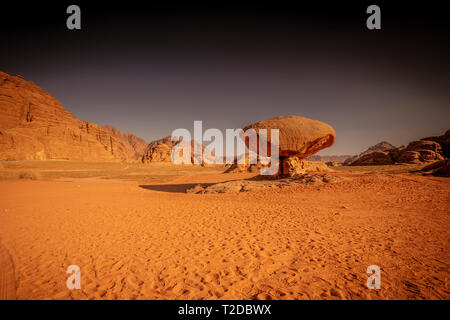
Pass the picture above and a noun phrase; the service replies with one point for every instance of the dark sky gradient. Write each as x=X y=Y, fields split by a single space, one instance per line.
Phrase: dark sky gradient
x=149 y=69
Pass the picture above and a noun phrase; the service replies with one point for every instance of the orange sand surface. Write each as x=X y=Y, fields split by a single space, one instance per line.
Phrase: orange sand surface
x=154 y=241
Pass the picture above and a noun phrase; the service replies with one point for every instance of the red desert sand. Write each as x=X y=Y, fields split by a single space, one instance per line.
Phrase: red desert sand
x=123 y=216
x=154 y=241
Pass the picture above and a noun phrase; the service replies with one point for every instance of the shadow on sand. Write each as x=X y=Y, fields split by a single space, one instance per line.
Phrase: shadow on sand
x=175 y=188
x=181 y=188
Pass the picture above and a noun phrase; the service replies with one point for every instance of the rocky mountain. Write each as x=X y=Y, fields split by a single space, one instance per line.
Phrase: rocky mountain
x=423 y=150
x=135 y=146
x=161 y=151
x=35 y=126
x=379 y=147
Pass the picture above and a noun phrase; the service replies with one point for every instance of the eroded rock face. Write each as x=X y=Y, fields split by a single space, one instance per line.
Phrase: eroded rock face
x=289 y=167
x=35 y=126
x=424 y=145
x=161 y=151
x=158 y=153
x=298 y=136
x=416 y=152
x=295 y=166
x=373 y=158
x=292 y=166
x=409 y=157
x=444 y=141
x=134 y=145
x=439 y=168
x=382 y=146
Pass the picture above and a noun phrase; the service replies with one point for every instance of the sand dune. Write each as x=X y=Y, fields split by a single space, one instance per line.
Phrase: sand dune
x=156 y=242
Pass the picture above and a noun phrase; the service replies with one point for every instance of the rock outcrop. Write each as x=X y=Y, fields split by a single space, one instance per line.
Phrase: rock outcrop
x=161 y=151
x=414 y=153
x=35 y=126
x=135 y=146
x=379 y=147
x=444 y=141
x=373 y=158
x=299 y=138
x=291 y=166
x=294 y=166
x=439 y=168
x=405 y=156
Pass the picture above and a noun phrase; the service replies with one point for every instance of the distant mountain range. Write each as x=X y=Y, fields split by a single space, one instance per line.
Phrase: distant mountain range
x=379 y=147
x=419 y=151
x=338 y=159
x=382 y=146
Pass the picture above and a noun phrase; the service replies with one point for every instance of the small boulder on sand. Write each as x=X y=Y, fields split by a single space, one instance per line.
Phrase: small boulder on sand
x=292 y=166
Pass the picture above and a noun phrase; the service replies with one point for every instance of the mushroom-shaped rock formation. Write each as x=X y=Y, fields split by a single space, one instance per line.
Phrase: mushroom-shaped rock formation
x=299 y=138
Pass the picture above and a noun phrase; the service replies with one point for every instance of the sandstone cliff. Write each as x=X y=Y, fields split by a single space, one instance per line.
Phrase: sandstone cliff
x=135 y=146
x=35 y=126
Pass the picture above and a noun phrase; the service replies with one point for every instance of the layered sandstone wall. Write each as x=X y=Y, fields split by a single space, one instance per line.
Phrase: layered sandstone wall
x=35 y=126
x=135 y=146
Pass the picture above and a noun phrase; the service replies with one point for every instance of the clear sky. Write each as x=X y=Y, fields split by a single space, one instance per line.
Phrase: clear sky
x=149 y=70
